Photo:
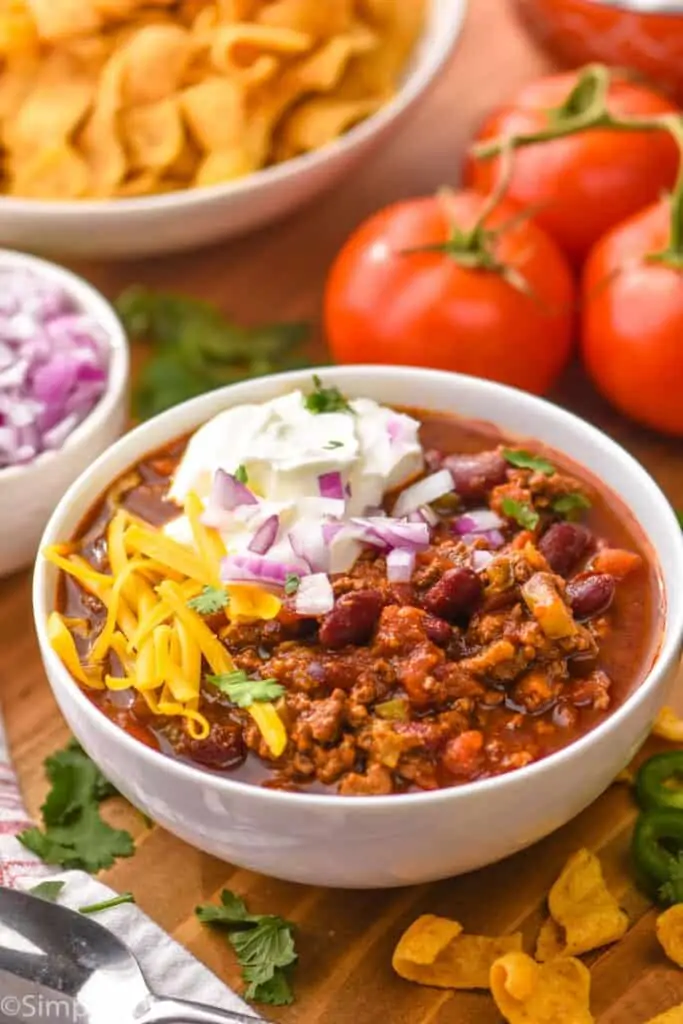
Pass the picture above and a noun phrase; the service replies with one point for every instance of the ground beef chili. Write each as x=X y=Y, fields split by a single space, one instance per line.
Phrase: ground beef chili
x=446 y=679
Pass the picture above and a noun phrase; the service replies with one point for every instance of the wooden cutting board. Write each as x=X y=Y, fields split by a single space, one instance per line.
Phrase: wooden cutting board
x=345 y=939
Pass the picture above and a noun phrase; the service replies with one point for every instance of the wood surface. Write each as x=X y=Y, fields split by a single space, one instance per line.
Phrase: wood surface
x=345 y=939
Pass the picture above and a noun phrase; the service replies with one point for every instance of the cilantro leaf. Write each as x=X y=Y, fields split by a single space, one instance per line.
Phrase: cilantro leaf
x=333 y=444
x=243 y=691
x=210 y=601
x=263 y=944
x=527 y=460
x=87 y=842
x=521 y=512
x=47 y=891
x=241 y=474
x=323 y=399
x=75 y=836
x=195 y=347
x=571 y=505
x=292 y=583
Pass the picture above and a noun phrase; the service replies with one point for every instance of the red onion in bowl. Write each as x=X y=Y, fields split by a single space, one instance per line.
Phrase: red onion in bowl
x=314 y=595
x=424 y=492
x=265 y=536
x=253 y=568
x=331 y=485
x=478 y=520
x=400 y=565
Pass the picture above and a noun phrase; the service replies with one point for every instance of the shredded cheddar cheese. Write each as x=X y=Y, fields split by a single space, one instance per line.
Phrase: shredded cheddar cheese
x=163 y=549
x=63 y=644
x=208 y=542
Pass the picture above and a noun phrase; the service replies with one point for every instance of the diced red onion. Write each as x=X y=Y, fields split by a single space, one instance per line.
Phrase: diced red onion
x=308 y=543
x=424 y=492
x=400 y=565
x=331 y=485
x=477 y=521
x=481 y=559
x=424 y=514
x=330 y=531
x=227 y=494
x=251 y=568
x=314 y=595
x=494 y=538
x=54 y=363
x=387 y=533
x=264 y=538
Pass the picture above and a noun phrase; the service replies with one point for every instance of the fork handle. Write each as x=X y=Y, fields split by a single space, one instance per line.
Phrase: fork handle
x=179 y=1011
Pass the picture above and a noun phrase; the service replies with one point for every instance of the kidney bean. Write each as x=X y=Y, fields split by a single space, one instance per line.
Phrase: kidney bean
x=223 y=748
x=438 y=631
x=474 y=475
x=455 y=595
x=352 y=619
x=590 y=594
x=563 y=545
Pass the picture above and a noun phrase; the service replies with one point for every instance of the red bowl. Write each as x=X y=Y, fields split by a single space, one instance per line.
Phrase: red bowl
x=613 y=32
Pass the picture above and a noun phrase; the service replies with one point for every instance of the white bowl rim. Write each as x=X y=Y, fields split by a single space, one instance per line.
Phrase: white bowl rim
x=91 y=301
x=417 y=82
x=666 y=654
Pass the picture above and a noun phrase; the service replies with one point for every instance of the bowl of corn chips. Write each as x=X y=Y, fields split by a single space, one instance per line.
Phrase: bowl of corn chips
x=133 y=127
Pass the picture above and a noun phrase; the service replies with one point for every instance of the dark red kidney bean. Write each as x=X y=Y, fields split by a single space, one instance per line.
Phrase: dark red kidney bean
x=590 y=594
x=223 y=748
x=438 y=631
x=352 y=619
x=455 y=595
x=474 y=475
x=563 y=545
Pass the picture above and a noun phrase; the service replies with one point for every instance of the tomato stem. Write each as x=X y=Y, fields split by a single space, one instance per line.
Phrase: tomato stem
x=672 y=256
x=583 y=109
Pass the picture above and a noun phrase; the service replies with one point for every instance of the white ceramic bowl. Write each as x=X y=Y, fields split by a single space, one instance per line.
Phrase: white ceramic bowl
x=180 y=220
x=29 y=493
x=395 y=840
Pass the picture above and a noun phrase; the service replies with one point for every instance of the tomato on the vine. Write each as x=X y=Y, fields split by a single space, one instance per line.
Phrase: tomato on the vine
x=579 y=185
x=446 y=282
x=632 y=335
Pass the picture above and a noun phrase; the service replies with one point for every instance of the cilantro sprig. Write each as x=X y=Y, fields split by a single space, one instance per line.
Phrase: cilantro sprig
x=75 y=835
x=323 y=399
x=521 y=512
x=523 y=459
x=241 y=474
x=195 y=347
x=571 y=505
x=292 y=583
x=209 y=601
x=50 y=892
x=243 y=691
x=263 y=944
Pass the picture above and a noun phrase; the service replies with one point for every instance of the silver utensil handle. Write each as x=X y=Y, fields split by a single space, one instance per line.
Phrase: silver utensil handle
x=178 y=1011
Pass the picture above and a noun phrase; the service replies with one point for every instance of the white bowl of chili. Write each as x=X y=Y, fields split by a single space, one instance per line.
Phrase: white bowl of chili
x=413 y=837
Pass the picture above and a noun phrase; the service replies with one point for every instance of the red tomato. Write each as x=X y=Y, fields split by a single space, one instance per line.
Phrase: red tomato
x=387 y=304
x=633 y=321
x=582 y=185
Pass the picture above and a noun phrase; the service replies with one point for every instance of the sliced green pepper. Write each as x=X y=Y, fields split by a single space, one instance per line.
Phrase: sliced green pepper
x=660 y=867
x=651 y=782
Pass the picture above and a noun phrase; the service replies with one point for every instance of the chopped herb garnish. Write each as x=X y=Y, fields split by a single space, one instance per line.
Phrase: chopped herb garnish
x=333 y=444
x=292 y=583
x=571 y=505
x=679 y=516
x=241 y=474
x=243 y=691
x=325 y=399
x=48 y=891
x=195 y=347
x=263 y=944
x=210 y=601
x=115 y=901
x=521 y=512
x=75 y=836
x=527 y=460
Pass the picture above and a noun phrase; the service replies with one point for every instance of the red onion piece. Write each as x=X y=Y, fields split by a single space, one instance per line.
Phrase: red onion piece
x=253 y=568
x=228 y=492
x=387 y=533
x=481 y=559
x=477 y=521
x=264 y=538
x=314 y=595
x=308 y=543
x=331 y=485
x=424 y=492
x=400 y=565
x=330 y=531
x=494 y=538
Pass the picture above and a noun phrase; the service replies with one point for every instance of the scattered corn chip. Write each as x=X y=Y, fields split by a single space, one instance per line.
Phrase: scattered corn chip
x=668 y=725
x=584 y=915
x=434 y=951
x=672 y=1016
x=529 y=993
x=670 y=933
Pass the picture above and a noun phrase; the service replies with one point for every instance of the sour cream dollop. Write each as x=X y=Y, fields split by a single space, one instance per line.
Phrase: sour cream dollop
x=308 y=469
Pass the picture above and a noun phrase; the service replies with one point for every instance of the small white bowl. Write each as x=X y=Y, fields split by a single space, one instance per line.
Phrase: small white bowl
x=29 y=493
x=363 y=842
x=181 y=220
